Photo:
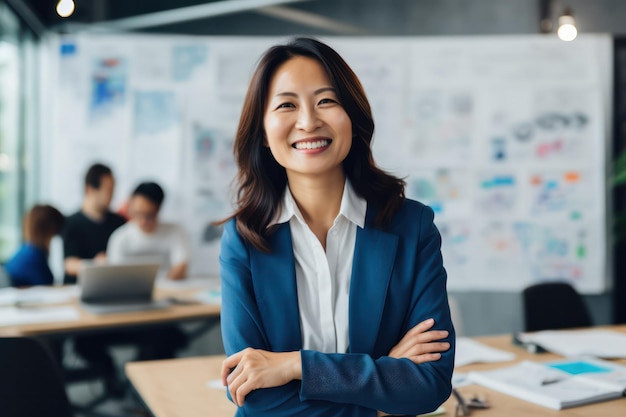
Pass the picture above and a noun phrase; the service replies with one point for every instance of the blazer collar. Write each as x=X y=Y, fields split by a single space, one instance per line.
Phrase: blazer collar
x=277 y=293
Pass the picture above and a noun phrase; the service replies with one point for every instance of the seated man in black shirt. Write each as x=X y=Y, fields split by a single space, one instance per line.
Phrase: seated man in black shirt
x=87 y=231
x=85 y=237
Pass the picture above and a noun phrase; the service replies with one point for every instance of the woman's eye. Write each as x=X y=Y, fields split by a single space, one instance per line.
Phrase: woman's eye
x=327 y=101
x=285 y=106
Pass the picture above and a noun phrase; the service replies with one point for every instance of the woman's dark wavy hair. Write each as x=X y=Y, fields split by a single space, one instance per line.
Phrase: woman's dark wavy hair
x=261 y=181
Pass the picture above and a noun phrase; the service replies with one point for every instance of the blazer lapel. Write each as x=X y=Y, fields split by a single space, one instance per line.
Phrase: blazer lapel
x=374 y=257
x=276 y=291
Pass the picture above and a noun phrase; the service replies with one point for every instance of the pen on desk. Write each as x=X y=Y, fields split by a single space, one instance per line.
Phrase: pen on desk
x=551 y=381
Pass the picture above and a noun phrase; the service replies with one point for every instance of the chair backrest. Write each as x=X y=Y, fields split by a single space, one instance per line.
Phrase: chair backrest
x=554 y=305
x=30 y=380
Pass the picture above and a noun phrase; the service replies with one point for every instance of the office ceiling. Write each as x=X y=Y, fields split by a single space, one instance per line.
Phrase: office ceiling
x=321 y=17
x=188 y=16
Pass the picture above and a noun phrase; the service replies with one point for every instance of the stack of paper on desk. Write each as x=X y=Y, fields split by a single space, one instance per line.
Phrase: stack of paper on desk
x=13 y=316
x=598 y=343
x=558 y=384
x=470 y=351
x=37 y=295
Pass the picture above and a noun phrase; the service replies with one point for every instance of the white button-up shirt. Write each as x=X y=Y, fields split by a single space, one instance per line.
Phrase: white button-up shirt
x=323 y=278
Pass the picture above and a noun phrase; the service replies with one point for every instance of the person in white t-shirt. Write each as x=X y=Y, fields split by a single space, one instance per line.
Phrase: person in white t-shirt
x=145 y=237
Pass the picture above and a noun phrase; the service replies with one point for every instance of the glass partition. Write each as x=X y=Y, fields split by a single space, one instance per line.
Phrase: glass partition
x=11 y=184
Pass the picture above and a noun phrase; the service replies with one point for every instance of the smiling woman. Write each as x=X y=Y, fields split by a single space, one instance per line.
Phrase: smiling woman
x=333 y=288
x=306 y=128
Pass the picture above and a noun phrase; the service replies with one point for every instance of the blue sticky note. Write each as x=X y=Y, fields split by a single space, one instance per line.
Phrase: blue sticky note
x=579 y=367
x=67 y=49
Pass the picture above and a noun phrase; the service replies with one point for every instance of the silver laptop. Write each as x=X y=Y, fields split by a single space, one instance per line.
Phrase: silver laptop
x=115 y=288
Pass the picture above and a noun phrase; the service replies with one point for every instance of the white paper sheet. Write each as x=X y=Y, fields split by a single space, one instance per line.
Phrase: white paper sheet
x=598 y=343
x=37 y=295
x=12 y=316
x=470 y=351
x=215 y=384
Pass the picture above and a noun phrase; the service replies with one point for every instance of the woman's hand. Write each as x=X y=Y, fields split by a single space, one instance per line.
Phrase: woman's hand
x=255 y=368
x=421 y=344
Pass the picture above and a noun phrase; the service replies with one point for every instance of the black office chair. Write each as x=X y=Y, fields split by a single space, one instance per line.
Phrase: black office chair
x=554 y=305
x=30 y=380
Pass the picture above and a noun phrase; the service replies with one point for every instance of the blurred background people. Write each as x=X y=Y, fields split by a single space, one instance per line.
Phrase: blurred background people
x=85 y=237
x=86 y=232
x=29 y=265
x=144 y=237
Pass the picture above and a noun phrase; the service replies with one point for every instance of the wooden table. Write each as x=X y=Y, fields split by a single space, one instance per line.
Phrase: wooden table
x=98 y=323
x=181 y=388
x=515 y=407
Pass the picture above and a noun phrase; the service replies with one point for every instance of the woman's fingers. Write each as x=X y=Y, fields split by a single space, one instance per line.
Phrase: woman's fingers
x=423 y=326
x=229 y=364
x=420 y=340
x=428 y=357
x=256 y=368
x=243 y=390
x=425 y=348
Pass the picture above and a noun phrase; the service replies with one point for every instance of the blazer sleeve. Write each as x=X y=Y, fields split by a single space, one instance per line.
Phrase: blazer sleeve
x=242 y=327
x=396 y=386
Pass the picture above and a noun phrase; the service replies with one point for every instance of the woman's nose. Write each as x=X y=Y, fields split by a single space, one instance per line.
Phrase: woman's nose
x=308 y=119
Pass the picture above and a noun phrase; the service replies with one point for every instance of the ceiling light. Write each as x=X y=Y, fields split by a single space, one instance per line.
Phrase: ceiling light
x=567 y=26
x=65 y=8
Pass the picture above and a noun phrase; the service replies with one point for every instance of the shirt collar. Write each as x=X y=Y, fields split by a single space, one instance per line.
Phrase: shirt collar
x=353 y=207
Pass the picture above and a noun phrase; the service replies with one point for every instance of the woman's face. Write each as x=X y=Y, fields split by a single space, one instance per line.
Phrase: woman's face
x=308 y=131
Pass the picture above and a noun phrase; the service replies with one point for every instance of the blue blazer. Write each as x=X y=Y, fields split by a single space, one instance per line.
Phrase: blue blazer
x=398 y=280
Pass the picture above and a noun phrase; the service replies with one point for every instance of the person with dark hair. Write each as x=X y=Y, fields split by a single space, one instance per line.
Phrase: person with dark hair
x=334 y=297
x=29 y=266
x=86 y=232
x=85 y=237
x=145 y=237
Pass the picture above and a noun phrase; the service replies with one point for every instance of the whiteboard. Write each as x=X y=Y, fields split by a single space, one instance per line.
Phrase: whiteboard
x=504 y=137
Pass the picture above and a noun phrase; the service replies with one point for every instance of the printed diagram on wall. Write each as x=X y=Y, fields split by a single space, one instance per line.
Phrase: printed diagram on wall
x=505 y=138
x=498 y=194
x=108 y=85
x=501 y=252
x=155 y=112
x=540 y=129
x=444 y=190
x=555 y=251
x=186 y=59
x=443 y=123
x=564 y=193
x=213 y=156
x=456 y=251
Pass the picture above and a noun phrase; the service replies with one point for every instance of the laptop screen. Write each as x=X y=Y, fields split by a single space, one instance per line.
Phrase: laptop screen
x=103 y=283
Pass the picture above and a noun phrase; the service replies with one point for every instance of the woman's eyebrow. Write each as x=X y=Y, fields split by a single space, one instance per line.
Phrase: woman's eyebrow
x=323 y=90
x=316 y=92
